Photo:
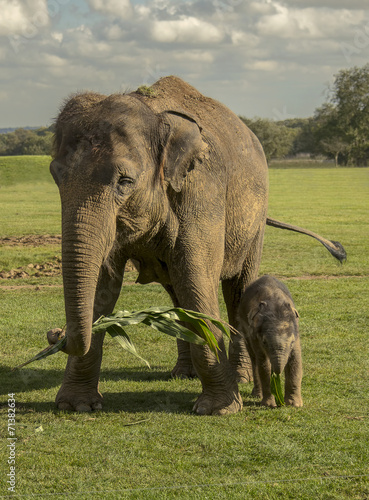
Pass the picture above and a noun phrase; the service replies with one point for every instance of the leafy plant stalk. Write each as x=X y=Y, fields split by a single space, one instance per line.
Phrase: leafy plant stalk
x=168 y=320
x=276 y=389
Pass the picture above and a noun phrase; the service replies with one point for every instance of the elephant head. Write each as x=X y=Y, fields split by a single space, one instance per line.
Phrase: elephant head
x=275 y=325
x=117 y=164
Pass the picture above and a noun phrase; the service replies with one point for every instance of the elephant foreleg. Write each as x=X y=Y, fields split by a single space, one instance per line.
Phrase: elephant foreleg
x=80 y=387
x=293 y=377
x=264 y=368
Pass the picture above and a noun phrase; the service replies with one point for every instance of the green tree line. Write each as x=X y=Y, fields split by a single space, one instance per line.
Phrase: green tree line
x=26 y=142
x=338 y=130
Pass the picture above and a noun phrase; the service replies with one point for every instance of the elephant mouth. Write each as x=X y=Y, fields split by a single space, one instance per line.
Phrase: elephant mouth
x=277 y=370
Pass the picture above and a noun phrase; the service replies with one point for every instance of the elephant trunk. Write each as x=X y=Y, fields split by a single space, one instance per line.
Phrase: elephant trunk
x=278 y=362
x=87 y=238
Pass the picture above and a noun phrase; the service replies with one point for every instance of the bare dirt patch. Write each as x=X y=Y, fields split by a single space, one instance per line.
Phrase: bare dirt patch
x=52 y=268
x=48 y=269
x=34 y=240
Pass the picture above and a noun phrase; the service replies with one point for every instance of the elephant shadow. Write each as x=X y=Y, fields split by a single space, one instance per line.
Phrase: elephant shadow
x=149 y=401
x=135 y=401
x=30 y=379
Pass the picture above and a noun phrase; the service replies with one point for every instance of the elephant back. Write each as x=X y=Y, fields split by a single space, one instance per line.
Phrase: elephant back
x=173 y=94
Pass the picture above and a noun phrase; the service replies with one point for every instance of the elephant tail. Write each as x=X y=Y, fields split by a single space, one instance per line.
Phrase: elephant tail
x=334 y=247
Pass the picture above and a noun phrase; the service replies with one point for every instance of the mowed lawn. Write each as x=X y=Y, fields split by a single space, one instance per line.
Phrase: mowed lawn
x=146 y=443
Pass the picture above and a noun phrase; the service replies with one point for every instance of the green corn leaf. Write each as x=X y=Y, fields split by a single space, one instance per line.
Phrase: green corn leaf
x=205 y=333
x=165 y=320
x=174 y=330
x=168 y=320
x=118 y=333
x=276 y=388
x=126 y=319
x=48 y=351
x=194 y=315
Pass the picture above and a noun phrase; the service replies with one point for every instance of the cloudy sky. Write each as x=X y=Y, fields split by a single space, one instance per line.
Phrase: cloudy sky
x=268 y=58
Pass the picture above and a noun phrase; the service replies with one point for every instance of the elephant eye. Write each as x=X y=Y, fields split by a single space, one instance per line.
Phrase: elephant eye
x=124 y=180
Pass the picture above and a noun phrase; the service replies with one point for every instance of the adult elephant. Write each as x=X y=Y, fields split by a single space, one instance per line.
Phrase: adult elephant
x=177 y=182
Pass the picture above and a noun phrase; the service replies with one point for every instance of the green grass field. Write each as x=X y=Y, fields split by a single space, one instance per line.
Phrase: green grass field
x=146 y=443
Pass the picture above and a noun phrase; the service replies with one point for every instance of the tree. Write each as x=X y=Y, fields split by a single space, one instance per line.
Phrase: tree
x=304 y=141
x=348 y=110
x=26 y=142
x=328 y=132
x=276 y=139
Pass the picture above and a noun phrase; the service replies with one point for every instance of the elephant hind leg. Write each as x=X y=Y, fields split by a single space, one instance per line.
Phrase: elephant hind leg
x=233 y=289
x=237 y=352
x=184 y=367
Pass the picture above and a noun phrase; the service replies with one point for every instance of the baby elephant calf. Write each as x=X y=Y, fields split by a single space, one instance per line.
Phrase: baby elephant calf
x=269 y=321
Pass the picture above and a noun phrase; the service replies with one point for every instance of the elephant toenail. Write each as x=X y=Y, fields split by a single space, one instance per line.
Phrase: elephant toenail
x=83 y=408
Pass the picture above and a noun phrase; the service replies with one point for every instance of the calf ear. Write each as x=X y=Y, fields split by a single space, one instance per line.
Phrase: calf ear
x=182 y=144
x=288 y=307
x=255 y=316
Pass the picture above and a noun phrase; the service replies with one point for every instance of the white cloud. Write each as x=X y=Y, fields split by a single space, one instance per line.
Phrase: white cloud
x=331 y=4
x=239 y=37
x=53 y=60
x=81 y=43
x=255 y=56
x=195 y=56
x=186 y=30
x=23 y=17
x=117 y=8
x=114 y=32
x=263 y=8
x=57 y=36
x=262 y=65
x=312 y=23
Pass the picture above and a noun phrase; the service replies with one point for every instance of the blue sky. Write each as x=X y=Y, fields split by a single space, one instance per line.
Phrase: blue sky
x=268 y=58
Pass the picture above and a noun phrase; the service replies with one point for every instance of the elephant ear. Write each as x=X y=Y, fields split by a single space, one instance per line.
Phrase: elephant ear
x=182 y=144
x=287 y=307
x=255 y=316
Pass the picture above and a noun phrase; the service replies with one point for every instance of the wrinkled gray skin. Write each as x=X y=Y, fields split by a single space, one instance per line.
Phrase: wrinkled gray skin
x=177 y=182
x=269 y=321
